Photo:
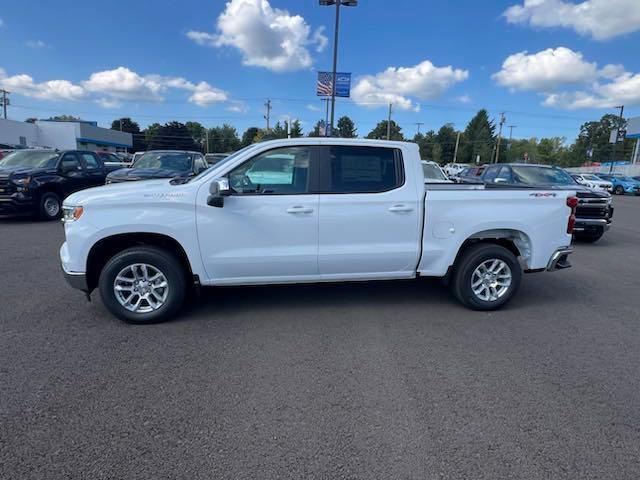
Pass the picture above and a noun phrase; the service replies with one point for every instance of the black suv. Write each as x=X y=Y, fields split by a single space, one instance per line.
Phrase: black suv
x=161 y=164
x=594 y=211
x=37 y=181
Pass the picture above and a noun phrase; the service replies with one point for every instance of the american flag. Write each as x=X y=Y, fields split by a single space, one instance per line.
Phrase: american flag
x=324 y=84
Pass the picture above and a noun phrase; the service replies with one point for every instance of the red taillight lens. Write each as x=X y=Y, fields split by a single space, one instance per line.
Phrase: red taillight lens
x=572 y=203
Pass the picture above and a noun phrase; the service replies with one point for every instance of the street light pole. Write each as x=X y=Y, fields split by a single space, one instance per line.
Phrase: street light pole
x=337 y=3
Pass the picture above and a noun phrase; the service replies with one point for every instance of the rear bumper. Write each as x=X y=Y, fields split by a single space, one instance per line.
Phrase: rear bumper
x=559 y=259
x=592 y=224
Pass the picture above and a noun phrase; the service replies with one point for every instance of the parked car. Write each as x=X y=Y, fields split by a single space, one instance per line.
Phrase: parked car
x=161 y=164
x=622 y=184
x=594 y=211
x=593 y=181
x=433 y=173
x=470 y=175
x=453 y=169
x=350 y=209
x=213 y=158
x=37 y=181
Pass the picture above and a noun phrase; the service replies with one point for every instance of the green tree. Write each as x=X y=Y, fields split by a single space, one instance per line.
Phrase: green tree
x=31 y=120
x=133 y=128
x=223 y=139
x=171 y=136
x=478 y=139
x=198 y=132
x=346 y=128
x=249 y=135
x=296 y=129
x=64 y=118
x=446 y=139
x=380 y=131
x=425 y=142
x=318 y=129
x=593 y=144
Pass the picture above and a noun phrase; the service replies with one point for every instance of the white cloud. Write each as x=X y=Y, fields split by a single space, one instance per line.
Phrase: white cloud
x=545 y=70
x=267 y=37
x=50 y=90
x=237 y=107
x=600 y=19
x=464 y=98
x=313 y=108
x=36 y=44
x=1 y=22
x=113 y=87
x=398 y=84
x=550 y=73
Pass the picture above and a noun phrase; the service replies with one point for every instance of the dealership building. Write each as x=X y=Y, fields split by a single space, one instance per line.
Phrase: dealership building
x=63 y=135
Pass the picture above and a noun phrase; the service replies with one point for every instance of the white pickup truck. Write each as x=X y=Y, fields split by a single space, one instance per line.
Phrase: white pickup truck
x=308 y=210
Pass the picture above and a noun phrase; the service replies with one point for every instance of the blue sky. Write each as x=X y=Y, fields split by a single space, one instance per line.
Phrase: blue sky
x=549 y=64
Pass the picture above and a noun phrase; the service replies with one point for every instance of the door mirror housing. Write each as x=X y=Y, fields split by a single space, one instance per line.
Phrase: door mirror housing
x=218 y=189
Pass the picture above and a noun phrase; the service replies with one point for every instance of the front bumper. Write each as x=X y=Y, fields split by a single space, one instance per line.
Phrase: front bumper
x=559 y=260
x=16 y=205
x=76 y=280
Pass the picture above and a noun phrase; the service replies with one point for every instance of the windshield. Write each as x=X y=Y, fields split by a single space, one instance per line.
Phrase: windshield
x=432 y=172
x=541 y=176
x=590 y=177
x=30 y=158
x=178 y=161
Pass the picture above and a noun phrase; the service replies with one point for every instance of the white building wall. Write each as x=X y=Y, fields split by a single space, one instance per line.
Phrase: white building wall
x=11 y=131
x=60 y=135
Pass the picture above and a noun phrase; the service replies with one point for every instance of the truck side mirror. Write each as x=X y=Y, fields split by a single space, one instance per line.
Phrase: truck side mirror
x=218 y=189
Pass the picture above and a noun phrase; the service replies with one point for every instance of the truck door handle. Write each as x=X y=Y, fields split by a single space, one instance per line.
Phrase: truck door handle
x=401 y=208
x=299 y=209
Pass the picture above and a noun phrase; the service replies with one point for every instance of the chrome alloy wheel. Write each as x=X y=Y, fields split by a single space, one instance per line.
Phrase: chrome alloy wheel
x=52 y=207
x=141 y=288
x=491 y=280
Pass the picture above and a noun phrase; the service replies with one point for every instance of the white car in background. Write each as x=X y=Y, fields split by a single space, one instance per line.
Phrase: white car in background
x=454 y=169
x=433 y=173
x=593 y=181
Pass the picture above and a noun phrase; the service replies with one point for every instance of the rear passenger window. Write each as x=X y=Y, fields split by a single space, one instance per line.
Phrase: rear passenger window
x=354 y=169
x=90 y=161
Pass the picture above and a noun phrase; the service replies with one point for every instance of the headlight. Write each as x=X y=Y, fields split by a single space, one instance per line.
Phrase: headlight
x=22 y=182
x=71 y=213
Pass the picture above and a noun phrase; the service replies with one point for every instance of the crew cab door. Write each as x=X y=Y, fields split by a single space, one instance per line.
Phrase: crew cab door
x=70 y=169
x=94 y=171
x=267 y=230
x=369 y=214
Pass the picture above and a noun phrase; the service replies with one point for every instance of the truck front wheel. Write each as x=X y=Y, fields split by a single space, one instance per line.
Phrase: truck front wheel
x=486 y=277
x=143 y=285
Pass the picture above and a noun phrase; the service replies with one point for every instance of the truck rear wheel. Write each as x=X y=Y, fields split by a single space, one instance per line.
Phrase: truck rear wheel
x=486 y=277
x=143 y=285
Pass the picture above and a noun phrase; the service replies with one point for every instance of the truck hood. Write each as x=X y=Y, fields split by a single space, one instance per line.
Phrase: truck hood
x=132 y=174
x=7 y=172
x=121 y=193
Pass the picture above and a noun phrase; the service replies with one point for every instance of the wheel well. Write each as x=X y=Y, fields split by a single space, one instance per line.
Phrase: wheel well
x=515 y=241
x=106 y=248
x=51 y=189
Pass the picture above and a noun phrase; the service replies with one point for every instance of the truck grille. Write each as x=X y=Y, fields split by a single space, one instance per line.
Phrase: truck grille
x=592 y=208
x=6 y=187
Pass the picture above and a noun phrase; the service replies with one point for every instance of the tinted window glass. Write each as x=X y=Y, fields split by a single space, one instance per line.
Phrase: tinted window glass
x=90 y=161
x=541 y=176
x=178 y=161
x=491 y=174
x=69 y=162
x=504 y=176
x=30 y=158
x=363 y=169
x=200 y=164
x=278 y=171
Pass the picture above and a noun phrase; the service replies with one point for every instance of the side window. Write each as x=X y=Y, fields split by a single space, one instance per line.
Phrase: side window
x=354 y=169
x=69 y=162
x=279 y=171
x=491 y=174
x=90 y=162
x=504 y=176
x=200 y=164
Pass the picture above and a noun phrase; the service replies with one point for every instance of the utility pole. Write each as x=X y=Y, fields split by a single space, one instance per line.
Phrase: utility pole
x=206 y=136
x=511 y=127
x=268 y=114
x=419 y=124
x=5 y=101
x=502 y=120
x=120 y=124
x=326 y=117
x=455 y=151
x=389 y=123
x=615 y=143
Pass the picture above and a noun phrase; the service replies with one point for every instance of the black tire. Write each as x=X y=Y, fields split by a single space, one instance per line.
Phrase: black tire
x=589 y=237
x=164 y=262
x=464 y=269
x=619 y=190
x=50 y=206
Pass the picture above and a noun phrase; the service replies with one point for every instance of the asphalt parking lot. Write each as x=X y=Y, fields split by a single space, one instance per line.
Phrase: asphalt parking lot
x=371 y=381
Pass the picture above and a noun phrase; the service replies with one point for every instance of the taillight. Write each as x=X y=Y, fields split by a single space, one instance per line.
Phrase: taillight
x=572 y=203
